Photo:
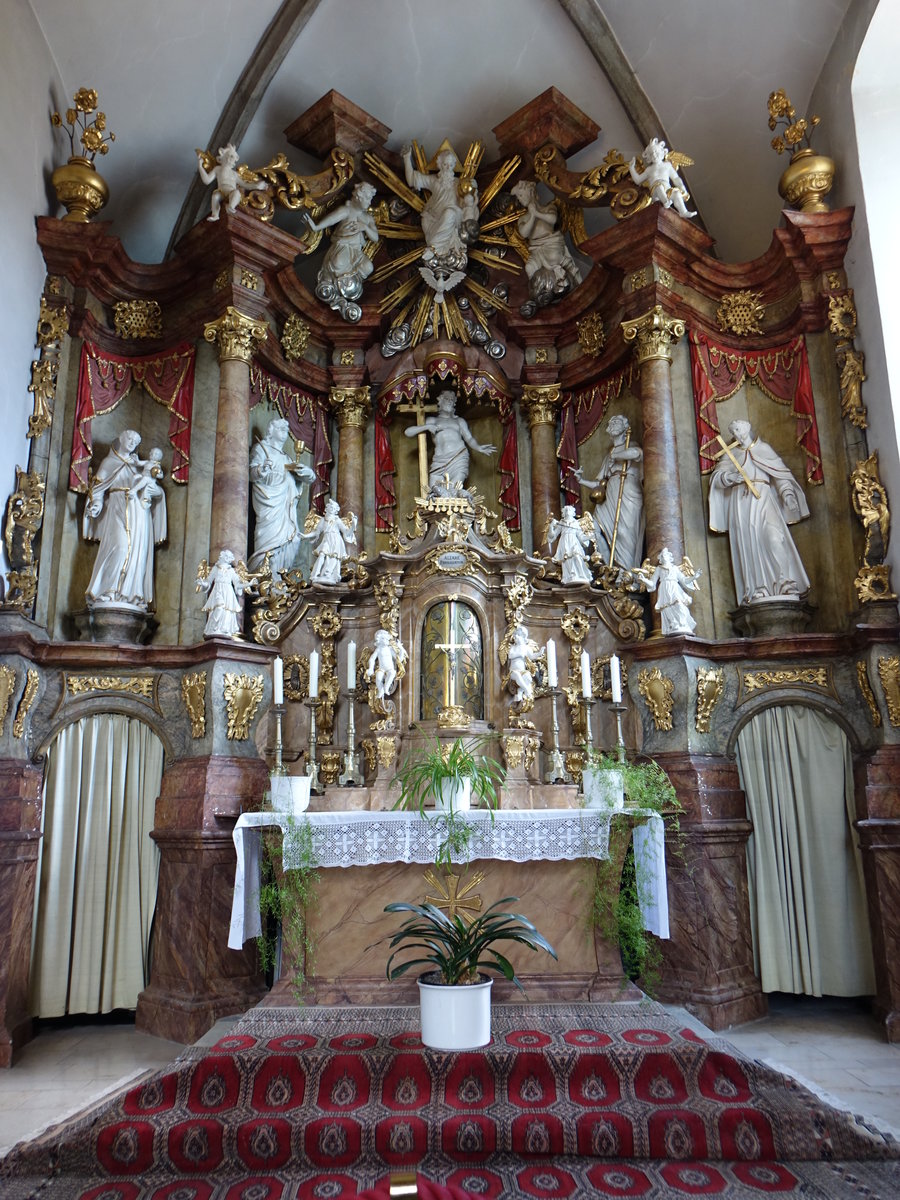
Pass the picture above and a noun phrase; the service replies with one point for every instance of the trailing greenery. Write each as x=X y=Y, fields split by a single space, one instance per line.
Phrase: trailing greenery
x=285 y=898
x=454 y=844
x=424 y=770
x=647 y=786
x=459 y=951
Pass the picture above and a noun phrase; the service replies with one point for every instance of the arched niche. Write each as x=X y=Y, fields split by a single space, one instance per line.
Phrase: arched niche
x=451 y=661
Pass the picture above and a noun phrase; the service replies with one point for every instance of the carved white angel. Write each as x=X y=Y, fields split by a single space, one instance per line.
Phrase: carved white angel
x=383 y=664
x=573 y=535
x=221 y=171
x=226 y=584
x=331 y=535
x=522 y=655
x=658 y=173
x=673 y=585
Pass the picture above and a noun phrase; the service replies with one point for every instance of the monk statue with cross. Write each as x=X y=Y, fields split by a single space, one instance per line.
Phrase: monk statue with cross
x=449 y=466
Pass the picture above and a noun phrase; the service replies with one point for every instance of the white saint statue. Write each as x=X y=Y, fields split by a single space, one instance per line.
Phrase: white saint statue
x=570 y=548
x=753 y=497
x=126 y=513
x=522 y=651
x=550 y=268
x=673 y=585
x=450 y=215
x=346 y=265
x=660 y=176
x=274 y=478
x=452 y=441
x=382 y=668
x=225 y=600
x=621 y=507
x=331 y=535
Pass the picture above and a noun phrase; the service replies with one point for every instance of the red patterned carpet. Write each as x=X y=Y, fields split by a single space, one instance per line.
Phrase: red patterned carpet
x=585 y=1100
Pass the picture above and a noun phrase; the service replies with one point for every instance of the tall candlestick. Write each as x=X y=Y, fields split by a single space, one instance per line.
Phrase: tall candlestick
x=351 y=667
x=586 y=690
x=314 y=675
x=552 y=678
x=615 y=678
x=278 y=681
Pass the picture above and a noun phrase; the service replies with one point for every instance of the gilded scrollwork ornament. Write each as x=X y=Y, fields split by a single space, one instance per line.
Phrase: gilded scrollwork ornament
x=32 y=680
x=773 y=680
x=870 y=503
x=7 y=690
x=24 y=515
x=591 y=335
x=141 y=686
x=135 y=319
x=43 y=388
x=889 y=674
x=710 y=686
x=243 y=695
x=575 y=626
x=53 y=324
x=193 y=694
x=659 y=695
x=862 y=677
x=851 y=364
x=287 y=189
x=326 y=624
x=842 y=315
x=741 y=312
x=295 y=337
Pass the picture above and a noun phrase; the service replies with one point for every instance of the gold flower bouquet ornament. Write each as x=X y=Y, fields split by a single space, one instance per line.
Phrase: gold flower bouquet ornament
x=809 y=176
x=79 y=189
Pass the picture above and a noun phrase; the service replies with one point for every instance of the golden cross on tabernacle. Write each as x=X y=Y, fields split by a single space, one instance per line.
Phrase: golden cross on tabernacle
x=450 y=648
x=727 y=450
x=421 y=410
x=458 y=901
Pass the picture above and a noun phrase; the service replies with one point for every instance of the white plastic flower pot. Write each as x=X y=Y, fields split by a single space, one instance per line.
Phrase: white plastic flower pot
x=456 y=796
x=604 y=789
x=289 y=793
x=457 y=1017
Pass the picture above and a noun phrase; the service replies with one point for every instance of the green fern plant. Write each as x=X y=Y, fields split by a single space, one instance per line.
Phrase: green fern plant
x=423 y=772
x=285 y=899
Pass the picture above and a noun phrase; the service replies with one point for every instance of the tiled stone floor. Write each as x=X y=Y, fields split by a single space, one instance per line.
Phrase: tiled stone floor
x=832 y=1045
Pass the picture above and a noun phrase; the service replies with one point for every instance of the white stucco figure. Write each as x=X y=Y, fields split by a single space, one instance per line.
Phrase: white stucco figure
x=346 y=265
x=450 y=215
x=126 y=513
x=550 y=268
x=331 y=535
x=225 y=600
x=229 y=185
x=383 y=664
x=660 y=176
x=452 y=441
x=673 y=585
x=522 y=652
x=765 y=561
x=275 y=481
x=621 y=475
x=570 y=548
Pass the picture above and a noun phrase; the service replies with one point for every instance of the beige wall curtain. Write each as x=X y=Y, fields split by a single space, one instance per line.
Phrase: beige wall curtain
x=807 y=896
x=98 y=869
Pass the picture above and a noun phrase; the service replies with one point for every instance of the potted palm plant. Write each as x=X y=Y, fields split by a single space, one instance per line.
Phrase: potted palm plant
x=451 y=775
x=455 y=992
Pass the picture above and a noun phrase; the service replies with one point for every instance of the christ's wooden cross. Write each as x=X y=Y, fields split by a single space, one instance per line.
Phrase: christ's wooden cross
x=727 y=450
x=421 y=410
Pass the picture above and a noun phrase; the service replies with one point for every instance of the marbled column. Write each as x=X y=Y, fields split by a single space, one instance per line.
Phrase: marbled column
x=541 y=403
x=708 y=962
x=351 y=407
x=236 y=337
x=879 y=840
x=20 y=837
x=654 y=334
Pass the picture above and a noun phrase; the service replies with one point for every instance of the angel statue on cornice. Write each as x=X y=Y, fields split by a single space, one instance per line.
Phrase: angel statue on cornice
x=658 y=173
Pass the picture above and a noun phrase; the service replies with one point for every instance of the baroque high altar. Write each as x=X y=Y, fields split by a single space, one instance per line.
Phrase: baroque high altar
x=412 y=415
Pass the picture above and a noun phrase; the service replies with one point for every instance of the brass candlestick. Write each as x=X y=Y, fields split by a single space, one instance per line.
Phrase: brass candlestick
x=279 y=768
x=312 y=767
x=619 y=709
x=556 y=767
x=351 y=775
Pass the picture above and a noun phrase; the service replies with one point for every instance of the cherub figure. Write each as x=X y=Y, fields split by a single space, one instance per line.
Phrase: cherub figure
x=659 y=175
x=229 y=185
x=522 y=652
x=331 y=535
x=673 y=586
x=382 y=668
x=570 y=549
x=151 y=471
x=226 y=585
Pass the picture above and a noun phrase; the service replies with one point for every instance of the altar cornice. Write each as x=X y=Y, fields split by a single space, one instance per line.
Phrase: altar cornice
x=795 y=646
x=102 y=655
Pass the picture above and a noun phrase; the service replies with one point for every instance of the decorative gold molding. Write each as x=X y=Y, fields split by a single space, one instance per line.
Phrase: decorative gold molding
x=24 y=514
x=43 y=388
x=658 y=692
x=851 y=364
x=32 y=679
x=222 y=280
x=653 y=334
x=665 y=278
x=519 y=749
x=639 y=279
x=591 y=335
x=243 y=696
x=773 y=680
x=250 y=280
x=874 y=583
x=453 y=717
x=7 y=690
x=53 y=324
x=862 y=676
x=386 y=747
x=870 y=503
x=541 y=403
x=351 y=406
x=842 y=314
x=193 y=693
x=710 y=686
x=138 y=319
x=889 y=674
x=133 y=685
x=236 y=336
x=741 y=313
x=542 y=355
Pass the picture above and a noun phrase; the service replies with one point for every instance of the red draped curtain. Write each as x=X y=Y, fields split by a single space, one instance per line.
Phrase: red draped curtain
x=470 y=384
x=104 y=380
x=307 y=416
x=781 y=372
x=581 y=413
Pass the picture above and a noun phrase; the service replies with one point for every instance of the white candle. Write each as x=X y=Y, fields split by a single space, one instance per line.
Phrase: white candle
x=278 y=681
x=586 y=690
x=351 y=667
x=314 y=675
x=615 y=678
x=551 y=663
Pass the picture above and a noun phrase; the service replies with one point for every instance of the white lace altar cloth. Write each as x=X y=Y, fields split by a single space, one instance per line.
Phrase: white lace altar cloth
x=362 y=839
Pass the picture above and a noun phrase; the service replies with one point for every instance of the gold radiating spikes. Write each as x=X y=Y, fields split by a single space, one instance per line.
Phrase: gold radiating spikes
x=483 y=294
x=420 y=320
x=473 y=160
x=394 y=229
x=392 y=299
x=508 y=169
x=396 y=264
x=479 y=315
x=499 y=222
x=457 y=321
x=492 y=260
x=383 y=172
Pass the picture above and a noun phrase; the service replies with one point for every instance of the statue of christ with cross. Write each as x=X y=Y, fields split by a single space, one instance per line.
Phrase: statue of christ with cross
x=449 y=467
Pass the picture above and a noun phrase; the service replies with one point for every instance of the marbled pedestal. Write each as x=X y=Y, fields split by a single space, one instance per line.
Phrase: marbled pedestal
x=20 y=834
x=879 y=840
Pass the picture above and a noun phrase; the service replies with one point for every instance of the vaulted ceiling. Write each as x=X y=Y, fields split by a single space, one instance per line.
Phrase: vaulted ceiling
x=173 y=76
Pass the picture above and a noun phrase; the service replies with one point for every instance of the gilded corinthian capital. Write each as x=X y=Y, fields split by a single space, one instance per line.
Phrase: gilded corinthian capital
x=541 y=403
x=351 y=406
x=654 y=334
x=236 y=336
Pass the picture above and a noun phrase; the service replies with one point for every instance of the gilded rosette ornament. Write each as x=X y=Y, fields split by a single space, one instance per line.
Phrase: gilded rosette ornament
x=710 y=686
x=741 y=313
x=862 y=676
x=243 y=696
x=135 y=319
x=654 y=334
x=7 y=688
x=294 y=337
x=659 y=695
x=541 y=403
x=889 y=674
x=236 y=336
x=193 y=693
x=591 y=335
